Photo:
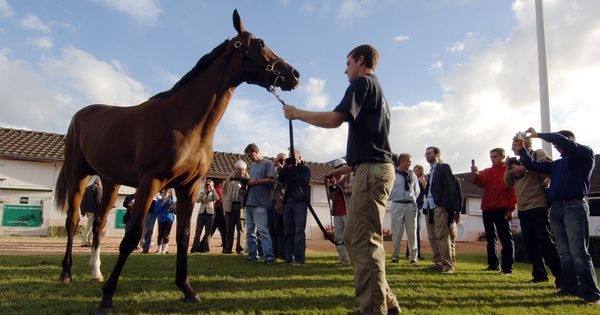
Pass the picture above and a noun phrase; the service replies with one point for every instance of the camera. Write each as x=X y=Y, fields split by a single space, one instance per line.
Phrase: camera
x=520 y=135
x=512 y=161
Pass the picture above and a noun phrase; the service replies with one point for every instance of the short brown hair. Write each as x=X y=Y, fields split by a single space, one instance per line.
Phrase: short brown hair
x=252 y=147
x=369 y=53
x=498 y=151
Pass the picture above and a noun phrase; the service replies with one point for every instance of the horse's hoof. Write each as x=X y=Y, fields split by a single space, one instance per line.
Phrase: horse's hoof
x=65 y=280
x=192 y=299
x=98 y=279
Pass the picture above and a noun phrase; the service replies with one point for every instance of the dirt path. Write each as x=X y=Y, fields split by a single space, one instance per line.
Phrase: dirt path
x=13 y=245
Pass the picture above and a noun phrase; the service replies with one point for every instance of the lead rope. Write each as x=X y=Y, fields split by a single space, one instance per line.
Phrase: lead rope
x=273 y=90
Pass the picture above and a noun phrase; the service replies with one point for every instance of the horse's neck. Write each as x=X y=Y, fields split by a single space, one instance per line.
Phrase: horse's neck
x=201 y=103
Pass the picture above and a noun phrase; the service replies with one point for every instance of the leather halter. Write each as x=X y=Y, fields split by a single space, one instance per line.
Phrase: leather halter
x=268 y=67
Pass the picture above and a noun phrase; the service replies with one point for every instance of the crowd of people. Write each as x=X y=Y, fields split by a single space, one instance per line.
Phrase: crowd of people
x=549 y=197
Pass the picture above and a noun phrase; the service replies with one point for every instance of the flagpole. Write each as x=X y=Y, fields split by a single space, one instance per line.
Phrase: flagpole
x=543 y=74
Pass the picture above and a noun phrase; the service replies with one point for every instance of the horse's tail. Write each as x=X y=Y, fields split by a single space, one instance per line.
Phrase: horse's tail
x=61 y=189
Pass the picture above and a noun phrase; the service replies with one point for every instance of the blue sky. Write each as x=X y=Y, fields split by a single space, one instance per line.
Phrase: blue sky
x=460 y=75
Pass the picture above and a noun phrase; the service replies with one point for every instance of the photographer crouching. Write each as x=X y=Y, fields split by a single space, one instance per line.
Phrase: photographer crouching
x=296 y=176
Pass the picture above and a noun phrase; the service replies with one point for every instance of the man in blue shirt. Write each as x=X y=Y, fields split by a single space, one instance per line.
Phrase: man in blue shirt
x=569 y=184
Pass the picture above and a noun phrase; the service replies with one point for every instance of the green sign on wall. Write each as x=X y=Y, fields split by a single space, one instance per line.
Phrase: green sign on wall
x=119 y=218
x=22 y=215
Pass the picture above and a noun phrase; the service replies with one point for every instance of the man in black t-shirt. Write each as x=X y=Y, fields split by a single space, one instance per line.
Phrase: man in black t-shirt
x=368 y=153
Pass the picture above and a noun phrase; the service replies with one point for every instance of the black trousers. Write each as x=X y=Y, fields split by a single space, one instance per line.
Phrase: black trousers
x=275 y=223
x=539 y=243
x=203 y=222
x=220 y=224
x=495 y=221
x=233 y=220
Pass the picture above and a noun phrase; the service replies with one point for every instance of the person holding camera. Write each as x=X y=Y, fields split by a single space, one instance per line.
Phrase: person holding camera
x=497 y=206
x=369 y=154
x=234 y=190
x=205 y=219
x=296 y=178
x=534 y=212
x=570 y=184
x=165 y=215
x=258 y=201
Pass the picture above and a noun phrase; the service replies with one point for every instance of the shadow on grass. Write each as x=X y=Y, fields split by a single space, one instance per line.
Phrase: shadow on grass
x=230 y=284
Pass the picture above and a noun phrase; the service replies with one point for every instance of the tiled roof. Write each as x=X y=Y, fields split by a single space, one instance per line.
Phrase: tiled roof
x=29 y=145
x=18 y=144
x=468 y=188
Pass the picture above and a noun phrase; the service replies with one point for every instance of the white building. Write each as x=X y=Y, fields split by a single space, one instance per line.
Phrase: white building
x=30 y=161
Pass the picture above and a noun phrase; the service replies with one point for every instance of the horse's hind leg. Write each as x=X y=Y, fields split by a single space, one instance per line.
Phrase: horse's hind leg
x=146 y=190
x=72 y=221
x=109 y=196
x=185 y=205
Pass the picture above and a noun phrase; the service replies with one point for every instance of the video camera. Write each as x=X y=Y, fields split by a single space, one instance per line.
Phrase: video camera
x=513 y=161
x=243 y=181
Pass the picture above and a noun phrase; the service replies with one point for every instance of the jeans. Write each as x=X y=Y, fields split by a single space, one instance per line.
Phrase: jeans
x=539 y=243
x=256 y=220
x=569 y=221
x=294 y=222
x=150 y=220
x=495 y=220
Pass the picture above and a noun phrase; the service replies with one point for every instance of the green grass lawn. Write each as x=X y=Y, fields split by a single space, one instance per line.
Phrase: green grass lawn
x=232 y=285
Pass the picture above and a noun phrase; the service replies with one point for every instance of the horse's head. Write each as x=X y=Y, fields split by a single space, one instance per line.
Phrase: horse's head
x=260 y=65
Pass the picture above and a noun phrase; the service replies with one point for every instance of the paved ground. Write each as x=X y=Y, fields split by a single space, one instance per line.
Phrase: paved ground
x=13 y=245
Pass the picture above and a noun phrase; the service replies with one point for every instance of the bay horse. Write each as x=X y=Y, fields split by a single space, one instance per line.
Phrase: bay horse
x=165 y=141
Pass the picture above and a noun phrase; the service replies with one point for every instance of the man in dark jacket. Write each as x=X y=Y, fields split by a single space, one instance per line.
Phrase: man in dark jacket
x=296 y=178
x=89 y=207
x=569 y=184
x=443 y=211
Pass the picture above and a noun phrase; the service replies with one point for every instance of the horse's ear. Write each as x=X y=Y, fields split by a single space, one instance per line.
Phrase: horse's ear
x=237 y=22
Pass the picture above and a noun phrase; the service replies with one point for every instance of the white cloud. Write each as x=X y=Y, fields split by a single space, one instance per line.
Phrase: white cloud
x=5 y=9
x=43 y=42
x=494 y=92
x=401 y=38
x=32 y=22
x=456 y=48
x=145 y=11
x=316 y=98
x=97 y=80
x=44 y=97
x=436 y=65
x=352 y=10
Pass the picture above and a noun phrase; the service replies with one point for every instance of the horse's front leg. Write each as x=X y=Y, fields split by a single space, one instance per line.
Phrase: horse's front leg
x=146 y=190
x=185 y=205
x=109 y=196
x=71 y=224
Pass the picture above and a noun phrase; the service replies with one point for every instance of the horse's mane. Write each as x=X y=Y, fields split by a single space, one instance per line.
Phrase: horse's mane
x=202 y=63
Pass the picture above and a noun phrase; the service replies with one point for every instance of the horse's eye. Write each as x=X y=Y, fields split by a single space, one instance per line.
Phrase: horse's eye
x=260 y=43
